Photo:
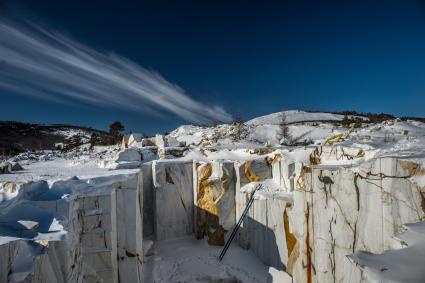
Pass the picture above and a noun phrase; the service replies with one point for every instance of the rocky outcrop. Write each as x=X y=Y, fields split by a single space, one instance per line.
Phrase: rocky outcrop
x=128 y=155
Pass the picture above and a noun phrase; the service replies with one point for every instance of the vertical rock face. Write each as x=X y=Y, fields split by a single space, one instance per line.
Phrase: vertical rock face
x=148 y=200
x=103 y=241
x=262 y=170
x=214 y=194
x=160 y=143
x=129 y=234
x=337 y=212
x=285 y=173
x=173 y=182
x=111 y=232
x=263 y=229
x=264 y=232
x=47 y=264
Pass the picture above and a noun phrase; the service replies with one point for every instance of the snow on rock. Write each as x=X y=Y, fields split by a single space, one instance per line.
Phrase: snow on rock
x=68 y=133
x=190 y=135
x=129 y=154
x=401 y=265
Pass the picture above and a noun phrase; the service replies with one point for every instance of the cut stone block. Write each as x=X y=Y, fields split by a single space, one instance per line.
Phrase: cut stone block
x=174 y=207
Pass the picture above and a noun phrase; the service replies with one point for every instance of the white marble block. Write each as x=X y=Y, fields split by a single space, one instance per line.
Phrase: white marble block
x=174 y=212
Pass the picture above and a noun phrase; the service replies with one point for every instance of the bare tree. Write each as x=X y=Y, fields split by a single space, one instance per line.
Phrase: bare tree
x=94 y=139
x=284 y=130
x=239 y=130
x=216 y=132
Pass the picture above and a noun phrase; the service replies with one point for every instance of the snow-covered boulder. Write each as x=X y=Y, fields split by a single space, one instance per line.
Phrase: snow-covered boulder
x=173 y=142
x=128 y=155
x=130 y=139
x=134 y=138
x=159 y=141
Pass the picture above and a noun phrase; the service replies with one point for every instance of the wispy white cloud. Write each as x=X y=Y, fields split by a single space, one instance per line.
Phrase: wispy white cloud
x=47 y=65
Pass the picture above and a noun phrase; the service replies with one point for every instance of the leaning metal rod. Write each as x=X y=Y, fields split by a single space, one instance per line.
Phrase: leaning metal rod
x=235 y=230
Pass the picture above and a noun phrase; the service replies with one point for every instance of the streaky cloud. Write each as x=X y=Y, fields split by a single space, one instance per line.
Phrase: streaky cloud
x=47 y=65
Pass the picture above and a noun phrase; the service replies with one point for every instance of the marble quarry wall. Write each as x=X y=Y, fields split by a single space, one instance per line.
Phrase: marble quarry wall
x=173 y=199
x=264 y=229
x=318 y=218
x=340 y=211
x=285 y=173
x=247 y=172
x=214 y=197
x=103 y=242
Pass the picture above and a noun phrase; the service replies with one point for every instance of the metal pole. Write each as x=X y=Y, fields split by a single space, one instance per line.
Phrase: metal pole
x=235 y=230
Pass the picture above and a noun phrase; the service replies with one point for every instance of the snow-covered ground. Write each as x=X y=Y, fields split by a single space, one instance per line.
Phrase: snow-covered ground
x=401 y=265
x=200 y=263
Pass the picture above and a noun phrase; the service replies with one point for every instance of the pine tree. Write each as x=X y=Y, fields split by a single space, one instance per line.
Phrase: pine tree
x=115 y=130
x=346 y=121
x=94 y=139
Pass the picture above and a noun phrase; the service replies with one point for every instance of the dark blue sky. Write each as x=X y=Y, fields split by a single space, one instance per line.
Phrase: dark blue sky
x=256 y=57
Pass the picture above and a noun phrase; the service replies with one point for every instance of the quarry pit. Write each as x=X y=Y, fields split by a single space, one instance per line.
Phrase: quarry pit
x=168 y=221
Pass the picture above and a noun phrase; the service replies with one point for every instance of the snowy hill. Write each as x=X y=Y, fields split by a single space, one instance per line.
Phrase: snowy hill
x=264 y=129
x=17 y=137
x=294 y=116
